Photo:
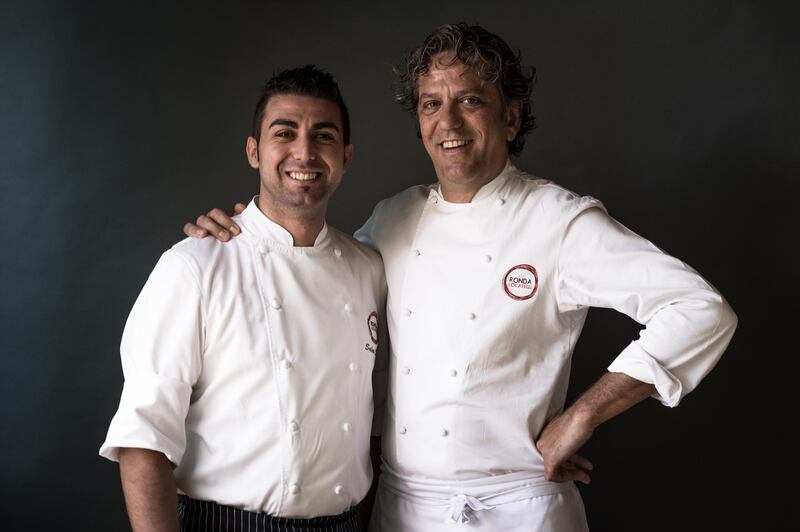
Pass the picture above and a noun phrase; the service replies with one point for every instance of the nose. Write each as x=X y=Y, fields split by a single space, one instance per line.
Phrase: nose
x=450 y=116
x=303 y=149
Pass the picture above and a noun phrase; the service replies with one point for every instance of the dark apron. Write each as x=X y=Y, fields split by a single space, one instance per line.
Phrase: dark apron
x=204 y=516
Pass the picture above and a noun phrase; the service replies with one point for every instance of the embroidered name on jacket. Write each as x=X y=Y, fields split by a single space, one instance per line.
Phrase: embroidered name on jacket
x=521 y=282
x=372 y=327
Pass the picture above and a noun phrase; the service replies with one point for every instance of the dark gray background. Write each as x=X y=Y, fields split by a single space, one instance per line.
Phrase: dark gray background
x=118 y=123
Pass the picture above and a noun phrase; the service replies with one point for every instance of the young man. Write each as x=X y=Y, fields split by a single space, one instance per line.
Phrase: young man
x=247 y=402
x=475 y=429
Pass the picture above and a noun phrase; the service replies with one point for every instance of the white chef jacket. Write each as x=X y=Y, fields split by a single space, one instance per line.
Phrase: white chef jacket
x=249 y=365
x=486 y=302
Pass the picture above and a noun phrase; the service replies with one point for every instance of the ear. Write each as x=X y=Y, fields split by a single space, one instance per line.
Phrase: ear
x=513 y=119
x=348 y=155
x=251 y=149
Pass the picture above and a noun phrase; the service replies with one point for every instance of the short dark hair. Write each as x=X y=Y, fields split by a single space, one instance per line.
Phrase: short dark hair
x=487 y=54
x=305 y=81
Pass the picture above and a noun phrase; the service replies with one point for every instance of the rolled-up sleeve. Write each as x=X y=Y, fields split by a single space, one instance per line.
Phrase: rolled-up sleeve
x=688 y=324
x=161 y=360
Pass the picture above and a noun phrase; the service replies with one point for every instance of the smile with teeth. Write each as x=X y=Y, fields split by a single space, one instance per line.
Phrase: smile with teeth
x=455 y=143
x=303 y=176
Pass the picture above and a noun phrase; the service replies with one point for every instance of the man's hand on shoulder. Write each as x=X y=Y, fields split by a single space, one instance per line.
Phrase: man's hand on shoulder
x=559 y=442
x=216 y=223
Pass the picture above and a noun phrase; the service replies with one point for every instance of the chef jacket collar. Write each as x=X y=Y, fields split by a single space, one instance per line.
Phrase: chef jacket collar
x=262 y=227
x=489 y=190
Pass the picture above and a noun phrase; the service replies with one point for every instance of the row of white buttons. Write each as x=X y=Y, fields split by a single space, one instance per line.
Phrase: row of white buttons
x=470 y=316
x=294 y=489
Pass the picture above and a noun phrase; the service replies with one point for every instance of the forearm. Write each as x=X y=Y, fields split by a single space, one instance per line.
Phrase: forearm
x=612 y=394
x=150 y=492
x=562 y=438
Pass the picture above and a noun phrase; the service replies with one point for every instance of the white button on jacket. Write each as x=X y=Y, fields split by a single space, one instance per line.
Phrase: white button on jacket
x=205 y=355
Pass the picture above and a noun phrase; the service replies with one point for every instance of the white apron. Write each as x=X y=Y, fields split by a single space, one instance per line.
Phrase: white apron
x=511 y=502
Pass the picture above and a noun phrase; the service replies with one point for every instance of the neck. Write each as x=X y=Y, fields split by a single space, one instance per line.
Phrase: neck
x=303 y=226
x=464 y=190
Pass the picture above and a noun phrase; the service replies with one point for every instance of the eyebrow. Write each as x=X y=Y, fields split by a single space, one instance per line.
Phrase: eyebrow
x=283 y=122
x=475 y=88
x=293 y=124
x=324 y=125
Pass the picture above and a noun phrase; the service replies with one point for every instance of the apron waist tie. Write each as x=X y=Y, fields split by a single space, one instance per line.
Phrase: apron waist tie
x=461 y=499
x=461 y=506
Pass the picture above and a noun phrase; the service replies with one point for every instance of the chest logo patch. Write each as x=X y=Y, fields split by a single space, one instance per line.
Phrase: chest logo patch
x=372 y=326
x=521 y=282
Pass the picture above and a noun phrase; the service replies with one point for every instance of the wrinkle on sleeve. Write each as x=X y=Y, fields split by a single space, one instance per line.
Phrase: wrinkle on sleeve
x=161 y=360
x=688 y=324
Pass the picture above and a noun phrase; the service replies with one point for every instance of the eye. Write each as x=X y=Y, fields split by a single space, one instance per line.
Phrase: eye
x=471 y=100
x=430 y=105
x=326 y=137
x=284 y=134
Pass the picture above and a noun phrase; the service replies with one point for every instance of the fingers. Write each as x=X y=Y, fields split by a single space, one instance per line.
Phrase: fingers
x=568 y=471
x=213 y=228
x=216 y=223
x=221 y=218
x=574 y=468
x=581 y=462
x=192 y=230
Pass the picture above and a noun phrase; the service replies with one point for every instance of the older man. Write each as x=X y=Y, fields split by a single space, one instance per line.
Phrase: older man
x=248 y=366
x=491 y=272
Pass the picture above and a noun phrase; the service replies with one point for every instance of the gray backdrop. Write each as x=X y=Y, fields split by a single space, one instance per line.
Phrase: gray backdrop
x=119 y=122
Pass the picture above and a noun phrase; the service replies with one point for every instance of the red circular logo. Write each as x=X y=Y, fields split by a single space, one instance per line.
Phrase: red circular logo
x=372 y=325
x=521 y=282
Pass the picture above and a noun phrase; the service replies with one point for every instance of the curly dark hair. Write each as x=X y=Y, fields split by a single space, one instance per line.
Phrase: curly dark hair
x=487 y=54
x=304 y=81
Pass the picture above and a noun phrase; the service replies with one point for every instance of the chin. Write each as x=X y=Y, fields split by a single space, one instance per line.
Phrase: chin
x=459 y=172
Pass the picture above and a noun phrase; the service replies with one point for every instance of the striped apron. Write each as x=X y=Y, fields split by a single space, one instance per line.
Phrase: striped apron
x=205 y=516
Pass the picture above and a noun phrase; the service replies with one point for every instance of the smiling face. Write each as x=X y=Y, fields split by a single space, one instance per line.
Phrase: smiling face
x=465 y=127
x=300 y=156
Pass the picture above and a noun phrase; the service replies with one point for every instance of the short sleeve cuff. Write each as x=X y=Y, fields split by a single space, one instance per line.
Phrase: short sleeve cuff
x=639 y=364
x=151 y=415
